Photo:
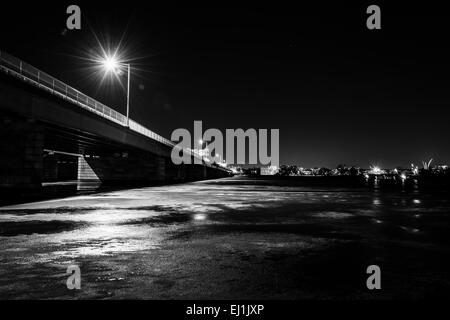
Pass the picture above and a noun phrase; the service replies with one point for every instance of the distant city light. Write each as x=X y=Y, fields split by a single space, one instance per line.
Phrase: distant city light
x=375 y=170
x=269 y=171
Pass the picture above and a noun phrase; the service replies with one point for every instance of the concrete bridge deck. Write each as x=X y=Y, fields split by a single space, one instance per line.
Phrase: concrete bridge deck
x=41 y=117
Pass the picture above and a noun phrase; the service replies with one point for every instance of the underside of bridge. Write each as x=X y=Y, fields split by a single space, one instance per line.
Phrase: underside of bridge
x=45 y=138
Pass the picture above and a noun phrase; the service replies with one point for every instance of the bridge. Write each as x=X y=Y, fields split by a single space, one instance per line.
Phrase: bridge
x=50 y=131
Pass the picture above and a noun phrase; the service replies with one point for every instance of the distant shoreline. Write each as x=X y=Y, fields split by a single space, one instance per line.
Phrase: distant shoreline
x=357 y=181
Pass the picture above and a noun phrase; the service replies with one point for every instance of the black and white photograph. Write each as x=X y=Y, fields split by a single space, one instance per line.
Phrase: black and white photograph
x=224 y=155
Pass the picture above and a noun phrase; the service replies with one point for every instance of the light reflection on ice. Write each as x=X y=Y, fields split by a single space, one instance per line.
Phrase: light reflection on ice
x=200 y=216
x=333 y=215
x=122 y=221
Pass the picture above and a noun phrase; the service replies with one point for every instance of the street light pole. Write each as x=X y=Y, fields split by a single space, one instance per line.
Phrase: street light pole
x=128 y=95
x=200 y=142
x=112 y=65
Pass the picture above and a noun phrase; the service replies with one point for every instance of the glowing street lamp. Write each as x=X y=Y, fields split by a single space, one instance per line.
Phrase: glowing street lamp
x=111 y=64
x=203 y=151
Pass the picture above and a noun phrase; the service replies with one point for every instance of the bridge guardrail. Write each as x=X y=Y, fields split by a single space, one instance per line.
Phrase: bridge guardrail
x=27 y=73
x=42 y=80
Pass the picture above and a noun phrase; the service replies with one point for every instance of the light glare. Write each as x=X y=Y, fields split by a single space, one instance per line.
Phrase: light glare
x=111 y=64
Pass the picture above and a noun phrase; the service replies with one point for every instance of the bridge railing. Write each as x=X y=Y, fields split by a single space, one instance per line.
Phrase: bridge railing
x=42 y=80
x=27 y=73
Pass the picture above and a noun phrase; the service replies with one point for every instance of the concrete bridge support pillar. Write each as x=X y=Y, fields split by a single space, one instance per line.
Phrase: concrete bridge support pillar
x=22 y=147
x=196 y=172
x=175 y=173
x=50 y=170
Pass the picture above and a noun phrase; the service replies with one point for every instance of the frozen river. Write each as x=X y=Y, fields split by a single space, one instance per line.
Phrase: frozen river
x=236 y=238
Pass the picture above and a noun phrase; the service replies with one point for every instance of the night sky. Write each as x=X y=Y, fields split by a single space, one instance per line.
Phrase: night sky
x=338 y=92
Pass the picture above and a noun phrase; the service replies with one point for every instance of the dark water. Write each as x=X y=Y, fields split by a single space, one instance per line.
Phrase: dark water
x=239 y=238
